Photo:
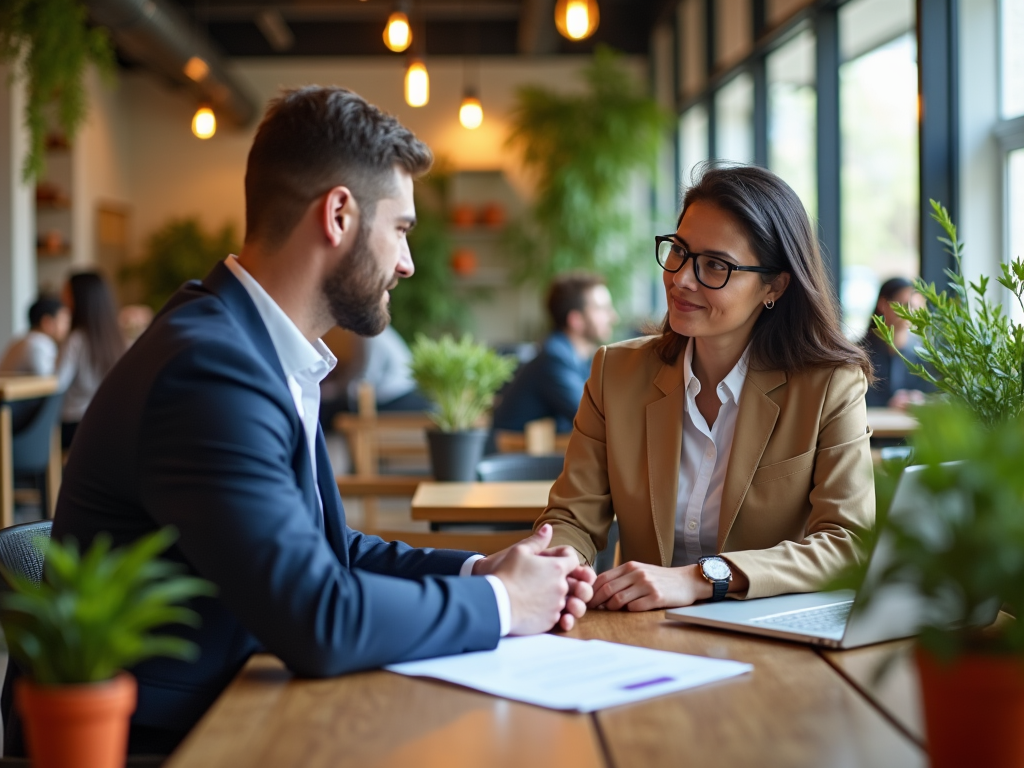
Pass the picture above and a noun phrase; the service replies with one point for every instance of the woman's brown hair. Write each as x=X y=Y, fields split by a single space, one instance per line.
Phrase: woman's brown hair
x=803 y=329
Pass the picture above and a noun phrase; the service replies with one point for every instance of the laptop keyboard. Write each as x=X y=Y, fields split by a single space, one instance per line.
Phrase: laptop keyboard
x=824 y=619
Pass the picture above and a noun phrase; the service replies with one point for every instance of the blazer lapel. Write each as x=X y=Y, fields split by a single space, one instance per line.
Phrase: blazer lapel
x=754 y=424
x=664 y=447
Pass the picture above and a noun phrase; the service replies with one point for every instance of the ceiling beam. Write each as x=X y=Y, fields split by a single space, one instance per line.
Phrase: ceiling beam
x=537 y=33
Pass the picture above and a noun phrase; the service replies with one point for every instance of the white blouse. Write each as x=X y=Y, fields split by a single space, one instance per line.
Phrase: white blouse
x=704 y=461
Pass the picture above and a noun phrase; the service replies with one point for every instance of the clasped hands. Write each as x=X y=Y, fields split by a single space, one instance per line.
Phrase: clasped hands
x=547 y=586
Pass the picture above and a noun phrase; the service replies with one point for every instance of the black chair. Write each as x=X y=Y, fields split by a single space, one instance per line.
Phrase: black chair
x=30 y=447
x=520 y=466
x=18 y=553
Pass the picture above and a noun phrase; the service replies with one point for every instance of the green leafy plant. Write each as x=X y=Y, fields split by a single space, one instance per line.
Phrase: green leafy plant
x=583 y=150
x=970 y=350
x=51 y=45
x=965 y=556
x=93 y=614
x=180 y=251
x=461 y=377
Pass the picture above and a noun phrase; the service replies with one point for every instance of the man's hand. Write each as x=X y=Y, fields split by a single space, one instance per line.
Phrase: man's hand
x=580 y=580
x=644 y=587
x=538 y=583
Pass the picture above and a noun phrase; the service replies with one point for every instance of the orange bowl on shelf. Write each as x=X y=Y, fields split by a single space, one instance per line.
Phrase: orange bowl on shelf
x=463 y=261
x=491 y=215
x=463 y=215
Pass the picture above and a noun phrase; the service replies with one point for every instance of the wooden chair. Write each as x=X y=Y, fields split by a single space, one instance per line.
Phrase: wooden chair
x=537 y=438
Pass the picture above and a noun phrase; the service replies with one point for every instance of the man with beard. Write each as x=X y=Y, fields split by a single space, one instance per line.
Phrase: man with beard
x=209 y=424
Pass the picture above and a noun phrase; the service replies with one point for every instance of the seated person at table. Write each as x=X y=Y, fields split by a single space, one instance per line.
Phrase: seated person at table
x=894 y=386
x=209 y=423
x=551 y=385
x=739 y=432
x=35 y=353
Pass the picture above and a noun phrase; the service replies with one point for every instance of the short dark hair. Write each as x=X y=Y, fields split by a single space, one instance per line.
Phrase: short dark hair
x=312 y=139
x=892 y=286
x=803 y=330
x=44 y=306
x=568 y=292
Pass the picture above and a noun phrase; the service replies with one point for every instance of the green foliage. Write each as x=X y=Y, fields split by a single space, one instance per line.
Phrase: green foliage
x=52 y=45
x=461 y=377
x=965 y=556
x=429 y=301
x=584 y=150
x=182 y=250
x=93 y=615
x=973 y=354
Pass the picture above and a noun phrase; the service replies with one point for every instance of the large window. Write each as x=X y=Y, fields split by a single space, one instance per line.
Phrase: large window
x=792 y=120
x=693 y=141
x=1012 y=50
x=879 y=179
x=734 y=120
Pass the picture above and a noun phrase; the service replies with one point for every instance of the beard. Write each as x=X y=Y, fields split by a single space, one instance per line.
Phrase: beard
x=354 y=290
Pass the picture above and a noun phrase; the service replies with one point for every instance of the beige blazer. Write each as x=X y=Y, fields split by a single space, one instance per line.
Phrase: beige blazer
x=798 y=489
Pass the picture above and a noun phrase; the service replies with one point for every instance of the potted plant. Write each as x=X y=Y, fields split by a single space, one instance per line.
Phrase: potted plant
x=964 y=558
x=460 y=377
x=72 y=635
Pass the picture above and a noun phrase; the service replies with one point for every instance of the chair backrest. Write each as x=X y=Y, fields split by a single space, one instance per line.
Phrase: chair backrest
x=520 y=466
x=18 y=553
x=30 y=445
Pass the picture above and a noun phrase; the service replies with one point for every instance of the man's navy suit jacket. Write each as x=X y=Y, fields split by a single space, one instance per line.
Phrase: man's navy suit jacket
x=549 y=386
x=195 y=427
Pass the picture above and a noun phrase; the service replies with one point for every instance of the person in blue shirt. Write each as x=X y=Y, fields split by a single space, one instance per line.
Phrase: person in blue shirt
x=551 y=385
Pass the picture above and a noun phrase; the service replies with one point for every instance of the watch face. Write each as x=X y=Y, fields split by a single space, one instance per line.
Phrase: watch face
x=716 y=569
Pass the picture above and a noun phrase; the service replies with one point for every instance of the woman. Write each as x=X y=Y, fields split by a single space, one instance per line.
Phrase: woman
x=91 y=349
x=895 y=386
x=739 y=431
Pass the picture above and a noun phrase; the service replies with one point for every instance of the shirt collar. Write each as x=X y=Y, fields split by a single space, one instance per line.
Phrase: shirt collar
x=732 y=384
x=293 y=349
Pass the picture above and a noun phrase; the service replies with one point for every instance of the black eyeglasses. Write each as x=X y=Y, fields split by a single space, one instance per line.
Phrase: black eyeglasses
x=710 y=271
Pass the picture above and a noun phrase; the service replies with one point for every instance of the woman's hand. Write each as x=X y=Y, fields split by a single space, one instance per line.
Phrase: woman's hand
x=644 y=587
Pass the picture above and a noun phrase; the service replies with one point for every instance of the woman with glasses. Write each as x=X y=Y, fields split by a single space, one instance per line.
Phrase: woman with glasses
x=733 y=445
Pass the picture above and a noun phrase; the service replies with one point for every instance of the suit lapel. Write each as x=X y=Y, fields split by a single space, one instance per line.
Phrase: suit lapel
x=754 y=424
x=664 y=446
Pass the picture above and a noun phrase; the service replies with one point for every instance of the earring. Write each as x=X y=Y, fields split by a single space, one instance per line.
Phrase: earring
x=770 y=304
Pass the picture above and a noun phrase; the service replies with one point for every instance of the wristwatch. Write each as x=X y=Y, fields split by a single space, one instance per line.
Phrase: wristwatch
x=718 y=572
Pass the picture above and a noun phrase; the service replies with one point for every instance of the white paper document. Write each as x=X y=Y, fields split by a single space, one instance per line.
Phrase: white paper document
x=581 y=675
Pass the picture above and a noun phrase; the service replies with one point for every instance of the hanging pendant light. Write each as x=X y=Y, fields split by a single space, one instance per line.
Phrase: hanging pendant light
x=417 y=84
x=398 y=33
x=471 y=113
x=577 y=19
x=204 y=123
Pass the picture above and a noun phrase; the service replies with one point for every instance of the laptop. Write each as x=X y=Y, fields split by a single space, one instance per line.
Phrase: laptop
x=835 y=619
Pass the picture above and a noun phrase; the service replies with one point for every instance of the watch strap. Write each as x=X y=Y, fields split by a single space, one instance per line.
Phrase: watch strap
x=720 y=588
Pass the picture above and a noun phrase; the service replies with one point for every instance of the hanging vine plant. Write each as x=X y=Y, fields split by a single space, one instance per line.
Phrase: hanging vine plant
x=583 y=150
x=50 y=45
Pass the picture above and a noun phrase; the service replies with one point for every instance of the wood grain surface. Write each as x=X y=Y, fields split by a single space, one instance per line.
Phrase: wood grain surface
x=507 y=502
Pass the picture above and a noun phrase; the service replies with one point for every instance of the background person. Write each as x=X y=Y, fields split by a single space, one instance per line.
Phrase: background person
x=35 y=353
x=894 y=386
x=733 y=446
x=92 y=347
x=551 y=385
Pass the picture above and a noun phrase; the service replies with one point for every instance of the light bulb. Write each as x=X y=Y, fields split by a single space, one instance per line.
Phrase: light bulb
x=397 y=34
x=471 y=114
x=576 y=19
x=204 y=123
x=417 y=85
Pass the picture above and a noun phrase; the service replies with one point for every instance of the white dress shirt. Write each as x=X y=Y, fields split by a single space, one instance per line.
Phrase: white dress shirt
x=35 y=353
x=305 y=365
x=704 y=461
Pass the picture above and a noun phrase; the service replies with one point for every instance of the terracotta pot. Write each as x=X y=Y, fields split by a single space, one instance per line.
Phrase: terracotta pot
x=77 y=726
x=974 y=710
x=463 y=215
x=463 y=261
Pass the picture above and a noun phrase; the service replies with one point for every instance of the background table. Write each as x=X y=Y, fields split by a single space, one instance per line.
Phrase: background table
x=511 y=502
x=12 y=389
x=793 y=710
x=890 y=423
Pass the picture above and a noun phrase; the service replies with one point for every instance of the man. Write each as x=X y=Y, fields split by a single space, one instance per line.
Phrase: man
x=209 y=424
x=551 y=385
x=36 y=352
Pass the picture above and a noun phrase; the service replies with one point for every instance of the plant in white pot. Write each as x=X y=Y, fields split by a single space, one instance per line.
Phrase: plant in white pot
x=75 y=633
x=460 y=377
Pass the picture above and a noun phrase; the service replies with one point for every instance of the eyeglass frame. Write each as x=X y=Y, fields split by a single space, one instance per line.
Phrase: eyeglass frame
x=688 y=255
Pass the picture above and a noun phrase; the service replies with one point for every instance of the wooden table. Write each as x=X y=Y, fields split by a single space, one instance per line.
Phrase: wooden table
x=511 y=502
x=793 y=710
x=12 y=389
x=890 y=423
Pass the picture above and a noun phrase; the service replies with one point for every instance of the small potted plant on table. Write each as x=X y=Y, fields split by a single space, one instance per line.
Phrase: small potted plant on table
x=74 y=634
x=460 y=377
